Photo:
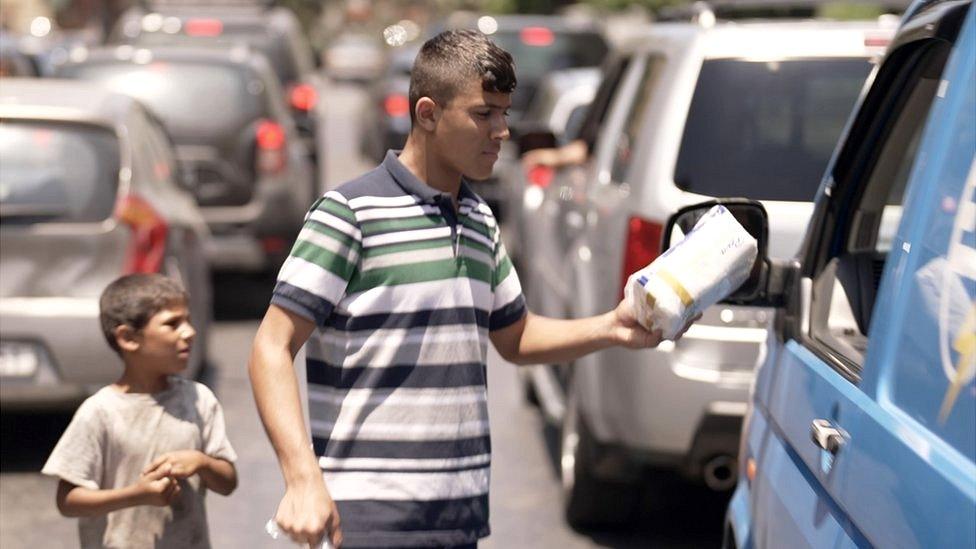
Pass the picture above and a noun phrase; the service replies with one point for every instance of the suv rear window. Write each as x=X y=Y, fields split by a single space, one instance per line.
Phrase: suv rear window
x=766 y=129
x=200 y=103
x=57 y=172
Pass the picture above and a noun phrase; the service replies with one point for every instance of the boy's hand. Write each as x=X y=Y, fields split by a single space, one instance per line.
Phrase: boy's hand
x=158 y=487
x=307 y=514
x=181 y=464
x=631 y=334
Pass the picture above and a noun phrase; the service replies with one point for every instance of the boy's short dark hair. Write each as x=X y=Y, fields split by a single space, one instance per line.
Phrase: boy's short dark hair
x=133 y=299
x=452 y=58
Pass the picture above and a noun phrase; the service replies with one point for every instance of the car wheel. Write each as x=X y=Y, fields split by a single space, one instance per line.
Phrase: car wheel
x=590 y=502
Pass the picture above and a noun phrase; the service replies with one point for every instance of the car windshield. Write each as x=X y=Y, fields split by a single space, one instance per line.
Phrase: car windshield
x=200 y=103
x=766 y=129
x=537 y=51
x=57 y=172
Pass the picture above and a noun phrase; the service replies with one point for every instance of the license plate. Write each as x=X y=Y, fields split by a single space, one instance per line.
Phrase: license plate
x=18 y=359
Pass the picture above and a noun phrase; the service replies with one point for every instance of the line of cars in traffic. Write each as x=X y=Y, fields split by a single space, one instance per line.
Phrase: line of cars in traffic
x=850 y=354
x=185 y=145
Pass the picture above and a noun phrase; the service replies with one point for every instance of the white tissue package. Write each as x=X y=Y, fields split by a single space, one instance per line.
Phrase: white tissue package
x=712 y=261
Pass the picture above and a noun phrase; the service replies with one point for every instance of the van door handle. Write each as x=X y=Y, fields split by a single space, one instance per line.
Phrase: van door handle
x=826 y=436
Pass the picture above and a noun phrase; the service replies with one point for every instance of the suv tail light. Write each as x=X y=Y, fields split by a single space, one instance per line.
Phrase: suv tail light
x=204 y=27
x=270 y=142
x=149 y=231
x=540 y=176
x=303 y=97
x=643 y=246
x=396 y=105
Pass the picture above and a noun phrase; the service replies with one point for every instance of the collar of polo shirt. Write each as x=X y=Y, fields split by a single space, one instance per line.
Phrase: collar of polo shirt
x=413 y=185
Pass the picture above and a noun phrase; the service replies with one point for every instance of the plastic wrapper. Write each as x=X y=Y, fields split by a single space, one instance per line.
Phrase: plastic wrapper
x=711 y=262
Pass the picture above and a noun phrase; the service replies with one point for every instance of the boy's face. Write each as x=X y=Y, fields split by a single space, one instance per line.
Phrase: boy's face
x=165 y=341
x=471 y=129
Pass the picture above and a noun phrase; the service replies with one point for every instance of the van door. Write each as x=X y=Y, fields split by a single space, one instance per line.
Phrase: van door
x=813 y=471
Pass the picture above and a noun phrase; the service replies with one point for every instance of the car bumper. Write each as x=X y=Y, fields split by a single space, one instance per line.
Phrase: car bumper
x=256 y=236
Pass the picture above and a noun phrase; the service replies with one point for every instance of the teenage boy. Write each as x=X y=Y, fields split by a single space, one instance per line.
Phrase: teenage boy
x=140 y=454
x=398 y=281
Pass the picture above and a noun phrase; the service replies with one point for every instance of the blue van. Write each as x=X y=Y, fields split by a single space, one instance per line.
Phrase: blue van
x=862 y=423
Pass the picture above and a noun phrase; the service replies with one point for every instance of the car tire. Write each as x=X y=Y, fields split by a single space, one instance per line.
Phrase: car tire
x=590 y=502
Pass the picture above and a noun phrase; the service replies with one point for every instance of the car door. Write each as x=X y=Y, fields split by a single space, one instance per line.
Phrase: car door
x=824 y=417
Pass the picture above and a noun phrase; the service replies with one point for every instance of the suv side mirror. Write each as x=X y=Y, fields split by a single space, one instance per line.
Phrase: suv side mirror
x=766 y=282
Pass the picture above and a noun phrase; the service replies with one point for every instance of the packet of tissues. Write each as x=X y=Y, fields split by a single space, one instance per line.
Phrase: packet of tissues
x=711 y=262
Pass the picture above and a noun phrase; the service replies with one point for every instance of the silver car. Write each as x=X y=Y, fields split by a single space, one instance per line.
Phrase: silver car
x=700 y=111
x=89 y=191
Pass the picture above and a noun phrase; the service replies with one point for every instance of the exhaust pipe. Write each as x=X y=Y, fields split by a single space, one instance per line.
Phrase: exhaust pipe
x=719 y=473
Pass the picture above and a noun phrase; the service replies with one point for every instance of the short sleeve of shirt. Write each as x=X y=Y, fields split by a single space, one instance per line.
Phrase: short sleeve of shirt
x=78 y=456
x=215 y=441
x=508 y=305
x=323 y=260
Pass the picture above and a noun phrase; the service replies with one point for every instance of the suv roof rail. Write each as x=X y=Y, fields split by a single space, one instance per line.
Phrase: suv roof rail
x=152 y=4
x=703 y=11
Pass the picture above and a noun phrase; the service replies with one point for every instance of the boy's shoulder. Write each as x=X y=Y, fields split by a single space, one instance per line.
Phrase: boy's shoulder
x=377 y=182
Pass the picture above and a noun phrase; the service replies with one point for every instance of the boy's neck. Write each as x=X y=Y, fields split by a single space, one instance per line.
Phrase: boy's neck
x=135 y=380
x=421 y=162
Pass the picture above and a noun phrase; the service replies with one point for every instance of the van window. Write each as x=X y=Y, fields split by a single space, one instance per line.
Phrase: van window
x=183 y=94
x=766 y=129
x=846 y=286
x=624 y=153
x=54 y=172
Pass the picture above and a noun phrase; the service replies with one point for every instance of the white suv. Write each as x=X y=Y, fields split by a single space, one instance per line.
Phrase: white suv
x=747 y=109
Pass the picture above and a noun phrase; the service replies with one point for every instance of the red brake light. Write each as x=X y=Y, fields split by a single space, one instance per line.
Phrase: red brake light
x=540 y=176
x=148 y=245
x=643 y=246
x=877 y=41
x=204 y=27
x=537 y=36
x=396 y=105
x=303 y=97
x=270 y=141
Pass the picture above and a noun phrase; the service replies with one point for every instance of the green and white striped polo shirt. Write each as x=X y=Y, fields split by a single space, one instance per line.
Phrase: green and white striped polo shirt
x=403 y=290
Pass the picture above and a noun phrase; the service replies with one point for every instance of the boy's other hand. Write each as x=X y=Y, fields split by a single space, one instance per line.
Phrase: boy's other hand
x=158 y=487
x=182 y=463
x=307 y=514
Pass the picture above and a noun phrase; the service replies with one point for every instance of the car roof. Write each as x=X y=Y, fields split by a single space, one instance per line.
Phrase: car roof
x=236 y=54
x=55 y=99
x=238 y=15
x=508 y=23
x=769 y=38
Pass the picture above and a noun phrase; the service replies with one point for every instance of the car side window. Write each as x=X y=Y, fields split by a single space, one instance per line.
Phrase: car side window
x=866 y=208
x=602 y=99
x=627 y=141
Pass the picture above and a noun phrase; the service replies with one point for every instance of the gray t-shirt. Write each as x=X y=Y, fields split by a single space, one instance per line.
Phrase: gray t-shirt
x=114 y=435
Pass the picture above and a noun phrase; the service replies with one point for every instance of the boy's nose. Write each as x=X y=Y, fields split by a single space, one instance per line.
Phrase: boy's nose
x=189 y=332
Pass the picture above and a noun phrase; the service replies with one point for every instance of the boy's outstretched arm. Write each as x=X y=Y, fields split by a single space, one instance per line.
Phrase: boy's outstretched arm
x=156 y=489
x=217 y=474
x=542 y=340
x=306 y=512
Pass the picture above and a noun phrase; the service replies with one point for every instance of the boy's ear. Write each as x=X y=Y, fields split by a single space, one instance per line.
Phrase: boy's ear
x=126 y=338
x=427 y=113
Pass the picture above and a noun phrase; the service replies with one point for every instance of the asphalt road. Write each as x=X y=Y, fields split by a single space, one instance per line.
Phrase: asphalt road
x=525 y=499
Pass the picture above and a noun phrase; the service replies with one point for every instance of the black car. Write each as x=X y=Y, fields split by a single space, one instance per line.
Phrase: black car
x=235 y=141
x=273 y=31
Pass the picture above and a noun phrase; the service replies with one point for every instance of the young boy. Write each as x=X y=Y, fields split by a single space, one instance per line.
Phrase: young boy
x=140 y=454
x=398 y=283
